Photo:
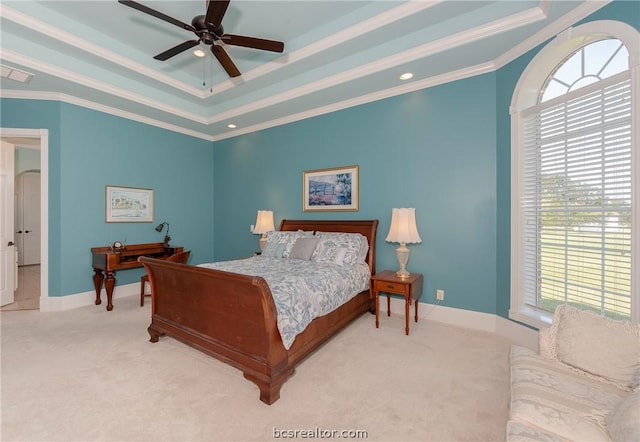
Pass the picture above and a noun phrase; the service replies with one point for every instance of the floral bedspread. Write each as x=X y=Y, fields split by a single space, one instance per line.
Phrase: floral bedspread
x=302 y=290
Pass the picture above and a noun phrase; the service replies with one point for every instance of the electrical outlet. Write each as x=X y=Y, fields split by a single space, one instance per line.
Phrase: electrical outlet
x=251 y=228
x=440 y=295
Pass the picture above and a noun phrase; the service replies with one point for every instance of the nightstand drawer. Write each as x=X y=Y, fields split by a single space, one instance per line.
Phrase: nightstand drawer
x=391 y=287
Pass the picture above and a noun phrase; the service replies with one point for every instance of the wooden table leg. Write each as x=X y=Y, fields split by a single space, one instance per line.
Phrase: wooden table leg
x=407 y=303
x=109 y=283
x=416 y=310
x=377 y=295
x=98 y=277
x=388 y=305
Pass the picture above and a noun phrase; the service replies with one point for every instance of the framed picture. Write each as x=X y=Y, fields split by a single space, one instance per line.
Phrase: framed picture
x=129 y=205
x=330 y=189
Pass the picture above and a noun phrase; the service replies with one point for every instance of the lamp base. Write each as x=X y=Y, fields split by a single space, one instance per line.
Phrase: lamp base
x=403 y=257
x=263 y=242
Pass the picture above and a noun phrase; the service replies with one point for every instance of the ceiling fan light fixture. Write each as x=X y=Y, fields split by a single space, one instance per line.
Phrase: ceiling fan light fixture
x=199 y=53
x=231 y=126
x=406 y=76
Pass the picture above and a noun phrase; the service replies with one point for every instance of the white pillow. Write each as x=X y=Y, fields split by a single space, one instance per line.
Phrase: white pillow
x=600 y=346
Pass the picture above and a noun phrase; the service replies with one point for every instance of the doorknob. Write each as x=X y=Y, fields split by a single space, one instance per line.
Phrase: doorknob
x=27 y=231
x=10 y=243
x=19 y=231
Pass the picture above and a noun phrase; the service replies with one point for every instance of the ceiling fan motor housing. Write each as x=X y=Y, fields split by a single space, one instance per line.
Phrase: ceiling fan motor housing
x=208 y=32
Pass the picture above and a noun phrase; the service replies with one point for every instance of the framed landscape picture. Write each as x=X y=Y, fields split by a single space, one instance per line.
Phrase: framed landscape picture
x=330 y=189
x=129 y=205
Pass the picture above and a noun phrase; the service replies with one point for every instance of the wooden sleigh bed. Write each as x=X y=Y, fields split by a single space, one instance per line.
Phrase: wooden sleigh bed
x=232 y=317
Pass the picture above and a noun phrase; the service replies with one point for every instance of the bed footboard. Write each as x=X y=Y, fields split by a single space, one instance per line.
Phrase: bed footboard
x=226 y=315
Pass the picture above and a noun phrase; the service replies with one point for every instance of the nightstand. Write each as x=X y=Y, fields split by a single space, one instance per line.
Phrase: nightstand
x=387 y=282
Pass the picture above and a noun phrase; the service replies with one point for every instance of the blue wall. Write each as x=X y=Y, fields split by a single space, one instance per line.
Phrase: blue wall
x=443 y=150
x=412 y=153
x=88 y=150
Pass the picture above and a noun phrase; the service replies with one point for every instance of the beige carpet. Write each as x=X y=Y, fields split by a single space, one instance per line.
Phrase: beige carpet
x=91 y=375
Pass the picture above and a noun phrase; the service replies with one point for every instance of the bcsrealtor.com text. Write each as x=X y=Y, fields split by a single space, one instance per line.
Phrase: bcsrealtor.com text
x=318 y=433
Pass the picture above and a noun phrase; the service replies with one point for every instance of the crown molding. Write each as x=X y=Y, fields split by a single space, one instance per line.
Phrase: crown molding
x=364 y=99
x=361 y=28
x=550 y=31
x=74 y=77
x=53 y=32
x=65 y=98
x=483 y=31
x=489 y=29
x=364 y=27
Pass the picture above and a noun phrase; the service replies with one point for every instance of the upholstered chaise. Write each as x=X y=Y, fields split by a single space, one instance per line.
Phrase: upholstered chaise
x=582 y=386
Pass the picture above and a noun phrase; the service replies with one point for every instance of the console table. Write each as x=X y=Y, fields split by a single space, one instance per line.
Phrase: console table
x=107 y=260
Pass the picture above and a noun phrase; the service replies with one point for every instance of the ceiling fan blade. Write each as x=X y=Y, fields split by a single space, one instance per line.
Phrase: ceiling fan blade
x=252 y=42
x=176 y=50
x=225 y=61
x=157 y=14
x=215 y=11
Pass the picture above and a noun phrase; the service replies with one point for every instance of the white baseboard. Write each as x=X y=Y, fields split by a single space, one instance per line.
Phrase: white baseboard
x=488 y=322
x=60 y=303
x=517 y=333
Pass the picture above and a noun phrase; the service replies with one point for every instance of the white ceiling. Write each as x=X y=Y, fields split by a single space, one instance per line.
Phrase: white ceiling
x=338 y=54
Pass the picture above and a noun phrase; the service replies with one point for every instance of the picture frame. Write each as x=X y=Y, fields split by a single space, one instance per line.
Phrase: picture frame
x=334 y=189
x=128 y=204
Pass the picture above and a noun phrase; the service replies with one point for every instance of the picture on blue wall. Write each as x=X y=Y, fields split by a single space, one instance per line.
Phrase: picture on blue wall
x=128 y=205
x=330 y=189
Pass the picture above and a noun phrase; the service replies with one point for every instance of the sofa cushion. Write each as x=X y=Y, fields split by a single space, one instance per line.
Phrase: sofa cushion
x=519 y=432
x=598 y=345
x=549 y=395
x=623 y=422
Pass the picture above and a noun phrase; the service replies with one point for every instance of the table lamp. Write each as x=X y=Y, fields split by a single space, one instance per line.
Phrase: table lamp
x=264 y=224
x=403 y=230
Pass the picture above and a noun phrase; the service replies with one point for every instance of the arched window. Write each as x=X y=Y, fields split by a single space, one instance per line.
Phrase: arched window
x=573 y=136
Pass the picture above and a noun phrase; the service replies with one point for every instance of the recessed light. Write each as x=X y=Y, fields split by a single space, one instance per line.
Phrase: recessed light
x=231 y=126
x=199 y=53
x=406 y=76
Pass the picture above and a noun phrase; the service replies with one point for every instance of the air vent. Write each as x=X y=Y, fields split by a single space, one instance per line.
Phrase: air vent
x=15 y=74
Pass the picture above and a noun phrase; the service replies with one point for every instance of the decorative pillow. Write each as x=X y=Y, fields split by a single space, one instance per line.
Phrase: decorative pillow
x=328 y=251
x=623 y=422
x=598 y=345
x=303 y=248
x=273 y=249
x=355 y=245
x=288 y=238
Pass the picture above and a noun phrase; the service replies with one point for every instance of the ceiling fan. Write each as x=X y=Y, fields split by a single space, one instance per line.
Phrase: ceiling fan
x=208 y=28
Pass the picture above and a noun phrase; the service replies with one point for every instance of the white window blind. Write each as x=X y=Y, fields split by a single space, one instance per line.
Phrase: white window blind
x=576 y=200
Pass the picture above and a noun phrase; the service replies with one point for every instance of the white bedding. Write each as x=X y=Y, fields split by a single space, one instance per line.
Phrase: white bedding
x=302 y=290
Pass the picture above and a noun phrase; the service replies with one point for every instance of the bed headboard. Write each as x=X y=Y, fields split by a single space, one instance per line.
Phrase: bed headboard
x=367 y=228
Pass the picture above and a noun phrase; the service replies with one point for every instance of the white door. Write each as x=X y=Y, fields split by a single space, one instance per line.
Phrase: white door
x=8 y=261
x=28 y=218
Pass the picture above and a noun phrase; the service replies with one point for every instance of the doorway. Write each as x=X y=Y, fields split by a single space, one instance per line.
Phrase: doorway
x=31 y=149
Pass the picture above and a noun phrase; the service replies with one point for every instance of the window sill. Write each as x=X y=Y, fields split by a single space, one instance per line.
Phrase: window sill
x=532 y=317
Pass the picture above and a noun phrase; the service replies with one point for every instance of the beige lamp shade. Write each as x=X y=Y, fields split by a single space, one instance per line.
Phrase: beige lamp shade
x=264 y=224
